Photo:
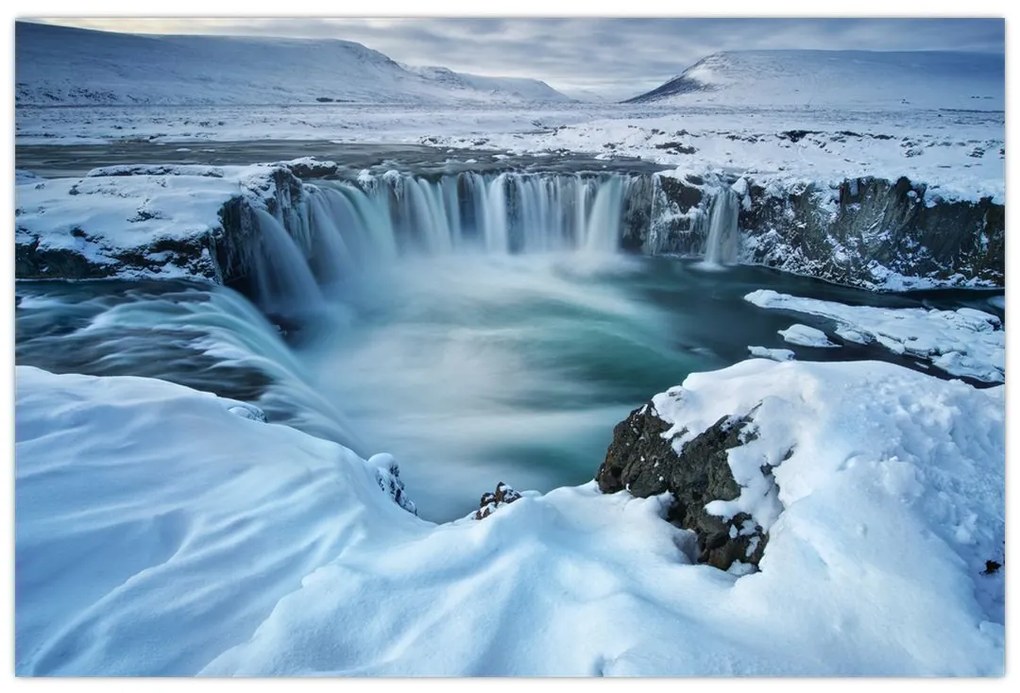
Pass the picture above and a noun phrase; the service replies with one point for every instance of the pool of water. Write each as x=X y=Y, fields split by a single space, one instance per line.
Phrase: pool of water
x=470 y=368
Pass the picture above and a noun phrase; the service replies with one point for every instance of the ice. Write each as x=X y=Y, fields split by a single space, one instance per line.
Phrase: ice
x=964 y=342
x=774 y=354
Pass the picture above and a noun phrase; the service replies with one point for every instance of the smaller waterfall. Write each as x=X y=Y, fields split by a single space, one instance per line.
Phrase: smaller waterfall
x=723 y=240
x=496 y=231
x=602 y=233
x=284 y=282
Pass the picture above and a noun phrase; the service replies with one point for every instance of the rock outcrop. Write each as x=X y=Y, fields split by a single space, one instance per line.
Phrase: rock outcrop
x=869 y=232
x=158 y=221
x=642 y=461
x=166 y=221
x=491 y=502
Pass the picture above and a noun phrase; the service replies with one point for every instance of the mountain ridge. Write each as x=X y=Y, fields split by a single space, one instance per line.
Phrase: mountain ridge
x=62 y=66
x=802 y=77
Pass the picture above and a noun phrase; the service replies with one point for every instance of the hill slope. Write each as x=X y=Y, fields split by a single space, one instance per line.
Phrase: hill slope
x=65 y=66
x=812 y=78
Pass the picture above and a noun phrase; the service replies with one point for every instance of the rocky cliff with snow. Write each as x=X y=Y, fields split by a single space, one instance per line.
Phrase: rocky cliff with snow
x=236 y=224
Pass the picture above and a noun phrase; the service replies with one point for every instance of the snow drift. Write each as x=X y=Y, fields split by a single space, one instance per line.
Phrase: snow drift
x=161 y=530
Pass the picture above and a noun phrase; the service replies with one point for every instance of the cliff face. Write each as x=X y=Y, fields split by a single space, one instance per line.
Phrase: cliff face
x=870 y=233
x=152 y=222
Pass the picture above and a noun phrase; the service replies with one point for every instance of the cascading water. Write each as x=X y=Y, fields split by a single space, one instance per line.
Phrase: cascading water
x=349 y=226
x=723 y=240
x=602 y=230
x=284 y=281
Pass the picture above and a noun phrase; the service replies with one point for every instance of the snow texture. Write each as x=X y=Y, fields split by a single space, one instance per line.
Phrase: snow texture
x=157 y=532
x=153 y=213
x=963 y=342
x=774 y=354
x=803 y=335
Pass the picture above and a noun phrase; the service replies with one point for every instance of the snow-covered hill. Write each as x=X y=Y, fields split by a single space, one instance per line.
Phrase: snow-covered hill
x=65 y=66
x=523 y=88
x=819 y=79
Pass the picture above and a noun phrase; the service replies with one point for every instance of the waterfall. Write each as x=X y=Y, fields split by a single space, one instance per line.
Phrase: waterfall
x=723 y=239
x=284 y=281
x=385 y=216
x=602 y=231
x=338 y=229
x=496 y=233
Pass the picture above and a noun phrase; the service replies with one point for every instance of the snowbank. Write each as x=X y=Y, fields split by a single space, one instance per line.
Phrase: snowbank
x=158 y=532
x=964 y=342
x=157 y=525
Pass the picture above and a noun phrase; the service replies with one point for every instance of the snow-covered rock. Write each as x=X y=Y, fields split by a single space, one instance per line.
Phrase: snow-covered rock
x=159 y=533
x=891 y=235
x=643 y=461
x=774 y=354
x=149 y=221
x=804 y=335
x=964 y=342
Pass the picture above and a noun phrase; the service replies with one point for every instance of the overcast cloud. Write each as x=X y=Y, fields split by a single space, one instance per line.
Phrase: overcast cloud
x=614 y=58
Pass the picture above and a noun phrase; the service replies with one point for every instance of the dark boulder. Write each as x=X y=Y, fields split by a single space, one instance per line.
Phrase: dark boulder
x=642 y=461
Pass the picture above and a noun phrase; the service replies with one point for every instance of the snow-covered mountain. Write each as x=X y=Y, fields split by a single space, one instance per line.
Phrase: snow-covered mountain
x=522 y=87
x=66 y=66
x=815 y=78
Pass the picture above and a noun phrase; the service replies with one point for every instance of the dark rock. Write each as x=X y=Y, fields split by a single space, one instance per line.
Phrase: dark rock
x=491 y=502
x=676 y=148
x=684 y=196
x=870 y=226
x=643 y=462
x=991 y=567
x=797 y=135
x=312 y=169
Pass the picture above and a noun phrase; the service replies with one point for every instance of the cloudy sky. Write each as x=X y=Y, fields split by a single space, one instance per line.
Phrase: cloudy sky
x=613 y=58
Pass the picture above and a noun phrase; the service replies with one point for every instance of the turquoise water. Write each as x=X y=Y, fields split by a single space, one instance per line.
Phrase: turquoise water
x=470 y=369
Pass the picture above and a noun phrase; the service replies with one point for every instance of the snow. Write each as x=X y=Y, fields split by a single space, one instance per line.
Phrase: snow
x=157 y=532
x=854 y=126
x=124 y=69
x=963 y=342
x=121 y=210
x=850 y=79
x=522 y=88
x=803 y=335
x=156 y=524
x=774 y=354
